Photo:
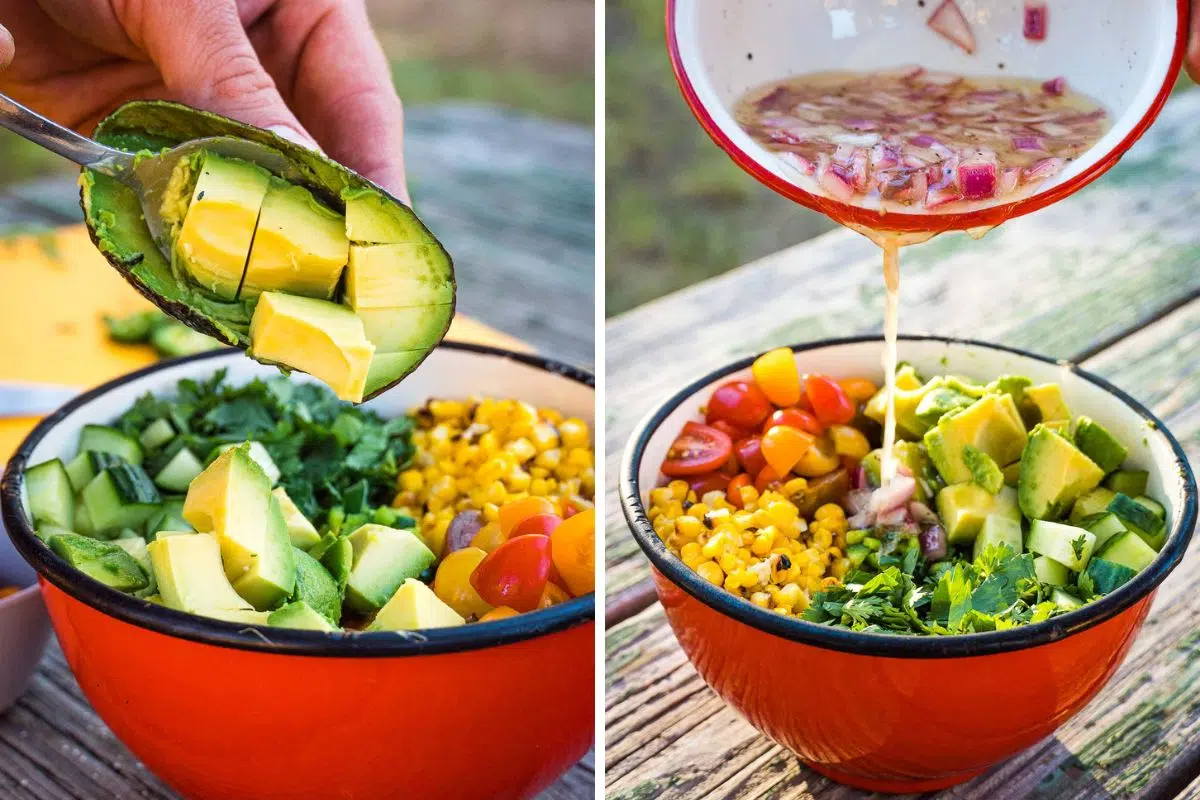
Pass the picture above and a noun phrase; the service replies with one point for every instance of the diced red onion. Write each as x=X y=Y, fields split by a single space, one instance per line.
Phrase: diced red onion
x=462 y=530
x=1034 y=144
x=935 y=545
x=922 y=513
x=1036 y=17
x=859 y=479
x=860 y=124
x=785 y=137
x=1055 y=86
x=897 y=516
x=859 y=520
x=923 y=140
x=1046 y=168
x=1052 y=129
x=839 y=187
x=859 y=500
x=1009 y=178
x=937 y=197
x=855 y=139
x=799 y=162
x=950 y=22
x=977 y=178
x=894 y=495
x=771 y=98
x=884 y=156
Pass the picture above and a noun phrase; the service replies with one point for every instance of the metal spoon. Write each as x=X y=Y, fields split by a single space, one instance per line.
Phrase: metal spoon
x=146 y=175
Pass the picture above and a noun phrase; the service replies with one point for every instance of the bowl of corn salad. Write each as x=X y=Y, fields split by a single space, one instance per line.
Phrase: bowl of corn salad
x=483 y=436
x=781 y=558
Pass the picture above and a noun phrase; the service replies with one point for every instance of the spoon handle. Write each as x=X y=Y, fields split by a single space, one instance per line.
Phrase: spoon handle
x=63 y=141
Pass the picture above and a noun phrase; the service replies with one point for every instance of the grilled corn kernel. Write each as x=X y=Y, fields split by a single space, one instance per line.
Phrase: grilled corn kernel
x=574 y=432
x=711 y=573
x=690 y=554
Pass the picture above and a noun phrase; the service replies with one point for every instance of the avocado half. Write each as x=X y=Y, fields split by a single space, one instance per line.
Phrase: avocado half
x=114 y=219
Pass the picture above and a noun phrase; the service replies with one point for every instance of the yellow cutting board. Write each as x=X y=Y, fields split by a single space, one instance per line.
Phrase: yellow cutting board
x=54 y=288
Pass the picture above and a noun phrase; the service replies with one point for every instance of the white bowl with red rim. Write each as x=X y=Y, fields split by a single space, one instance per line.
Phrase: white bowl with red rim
x=1125 y=55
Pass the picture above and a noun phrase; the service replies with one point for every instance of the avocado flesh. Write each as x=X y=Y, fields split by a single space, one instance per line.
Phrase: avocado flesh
x=324 y=339
x=1045 y=403
x=415 y=606
x=114 y=219
x=383 y=559
x=300 y=246
x=190 y=575
x=299 y=615
x=991 y=424
x=397 y=276
x=964 y=507
x=394 y=330
x=218 y=227
x=104 y=561
x=909 y=393
x=1053 y=474
x=301 y=532
x=232 y=499
x=317 y=588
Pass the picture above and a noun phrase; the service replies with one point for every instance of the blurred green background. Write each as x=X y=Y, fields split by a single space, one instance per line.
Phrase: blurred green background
x=679 y=210
x=449 y=50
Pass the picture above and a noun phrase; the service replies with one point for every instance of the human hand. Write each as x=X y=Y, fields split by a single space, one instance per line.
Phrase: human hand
x=1192 y=61
x=311 y=70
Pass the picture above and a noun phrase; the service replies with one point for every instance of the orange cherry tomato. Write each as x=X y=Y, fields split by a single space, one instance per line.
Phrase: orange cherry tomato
x=776 y=374
x=573 y=550
x=733 y=492
x=500 y=612
x=829 y=402
x=553 y=595
x=796 y=418
x=537 y=525
x=515 y=574
x=712 y=482
x=859 y=390
x=767 y=479
x=698 y=449
x=452 y=582
x=749 y=454
x=739 y=403
x=513 y=512
x=784 y=446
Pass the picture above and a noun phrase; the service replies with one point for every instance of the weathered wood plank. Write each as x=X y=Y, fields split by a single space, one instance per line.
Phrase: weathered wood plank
x=1061 y=282
x=669 y=736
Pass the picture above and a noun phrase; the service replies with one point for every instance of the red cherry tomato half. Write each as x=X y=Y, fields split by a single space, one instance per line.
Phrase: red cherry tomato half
x=796 y=418
x=829 y=402
x=732 y=431
x=537 y=525
x=733 y=493
x=698 y=449
x=749 y=454
x=712 y=482
x=767 y=479
x=515 y=573
x=739 y=403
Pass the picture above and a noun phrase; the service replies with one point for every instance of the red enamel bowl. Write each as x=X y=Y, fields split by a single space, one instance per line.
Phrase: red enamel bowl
x=218 y=711
x=1124 y=55
x=904 y=713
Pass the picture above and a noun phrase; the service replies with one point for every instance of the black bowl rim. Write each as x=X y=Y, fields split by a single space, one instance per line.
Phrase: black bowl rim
x=281 y=641
x=892 y=645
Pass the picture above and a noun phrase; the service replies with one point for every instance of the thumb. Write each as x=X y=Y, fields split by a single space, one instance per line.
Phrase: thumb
x=206 y=60
x=7 y=48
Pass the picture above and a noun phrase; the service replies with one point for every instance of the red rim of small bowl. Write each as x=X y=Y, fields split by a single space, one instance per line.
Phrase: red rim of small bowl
x=895 y=645
x=891 y=221
x=283 y=641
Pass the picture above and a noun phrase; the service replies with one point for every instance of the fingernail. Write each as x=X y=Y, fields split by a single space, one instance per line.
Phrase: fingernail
x=294 y=136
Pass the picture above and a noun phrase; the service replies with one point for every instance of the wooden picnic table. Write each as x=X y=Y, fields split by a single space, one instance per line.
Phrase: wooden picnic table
x=54 y=286
x=1109 y=278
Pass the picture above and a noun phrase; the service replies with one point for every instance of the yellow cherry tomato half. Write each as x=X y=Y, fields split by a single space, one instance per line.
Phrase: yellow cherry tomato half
x=820 y=459
x=860 y=390
x=489 y=537
x=499 y=612
x=776 y=374
x=512 y=514
x=849 y=441
x=573 y=550
x=783 y=446
x=452 y=582
x=553 y=595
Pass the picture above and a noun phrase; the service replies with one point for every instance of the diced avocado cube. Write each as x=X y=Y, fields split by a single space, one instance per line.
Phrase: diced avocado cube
x=301 y=532
x=387 y=368
x=1128 y=481
x=1098 y=444
x=301 y=615
x=232 y=499
x=963 y=508
x=157 y=434
x=317 y=588
x=1130 y=550
x=104 y=561
x=1066 y=544
x=998 y=530
x=339 y=560
x=908 y=395
x=383 y=559
x=1050 y=571
x=991 y=424
x=1048 y=400
x=984 y=471
x=1104 y=527
x=940 y=401
x=1053 y=474
x=1065 y=600
x=300 y=246
x=1108 y=575
x=258 y=452
x=414 y=606
x=1089 y=504
x=398 y=276
x=190 y=575
x=1014 y=385
x=135 y=546
x=373 y=219
x=48 y=489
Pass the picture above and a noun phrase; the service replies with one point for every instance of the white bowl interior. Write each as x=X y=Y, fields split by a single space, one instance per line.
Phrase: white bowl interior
x=1115 y=51
x=1149 y=449
x=447 y=373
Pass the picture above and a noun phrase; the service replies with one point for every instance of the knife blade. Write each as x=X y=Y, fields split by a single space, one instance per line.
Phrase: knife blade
x=19 y=399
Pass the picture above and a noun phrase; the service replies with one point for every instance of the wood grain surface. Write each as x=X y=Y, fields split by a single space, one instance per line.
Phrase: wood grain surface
x=1109 y=278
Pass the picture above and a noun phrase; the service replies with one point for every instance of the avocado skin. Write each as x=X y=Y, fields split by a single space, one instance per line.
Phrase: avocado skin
x=113 y=214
